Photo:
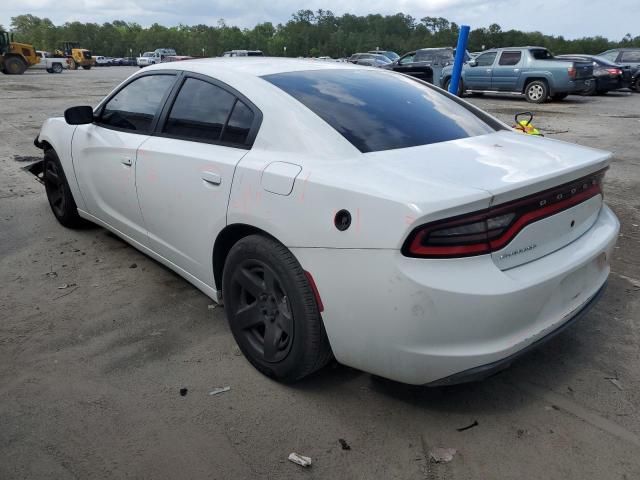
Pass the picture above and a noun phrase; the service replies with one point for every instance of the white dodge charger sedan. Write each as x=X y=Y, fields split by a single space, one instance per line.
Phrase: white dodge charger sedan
x=341 y=211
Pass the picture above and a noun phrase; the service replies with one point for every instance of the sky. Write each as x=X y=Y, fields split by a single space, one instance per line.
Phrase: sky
x=570 y=18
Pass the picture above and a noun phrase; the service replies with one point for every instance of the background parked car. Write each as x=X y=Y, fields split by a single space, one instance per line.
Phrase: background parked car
x=607 y=75
x=392 y=56
x=101 y=61
x=243 y=53
x=425 y=64
x=369 y=59
x=532 y=71
x=628 y=57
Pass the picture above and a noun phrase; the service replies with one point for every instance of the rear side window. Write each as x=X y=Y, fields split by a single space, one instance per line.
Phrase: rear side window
x=135 y=106
x=510 y=58
x=378 y=110
x=199 y=112
x=239 y=125
x=631 y=56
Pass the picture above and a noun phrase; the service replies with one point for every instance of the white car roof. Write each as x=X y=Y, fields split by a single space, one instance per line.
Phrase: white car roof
x=254 y=66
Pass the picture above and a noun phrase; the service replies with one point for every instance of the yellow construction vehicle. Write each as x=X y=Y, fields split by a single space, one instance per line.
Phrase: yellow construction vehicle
x=15 y=57
x=76 y=56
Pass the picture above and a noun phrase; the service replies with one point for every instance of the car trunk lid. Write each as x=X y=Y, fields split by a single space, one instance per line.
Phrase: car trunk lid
x=512 y=167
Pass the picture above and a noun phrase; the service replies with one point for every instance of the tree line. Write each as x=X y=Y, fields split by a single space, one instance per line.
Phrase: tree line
x=305 y=34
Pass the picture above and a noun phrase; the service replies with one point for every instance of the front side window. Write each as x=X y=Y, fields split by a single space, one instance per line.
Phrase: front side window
x=135 y=106
x=510 y=58
x=486 y=59
x=376 y=110
x=407 y=59
x=200 y=111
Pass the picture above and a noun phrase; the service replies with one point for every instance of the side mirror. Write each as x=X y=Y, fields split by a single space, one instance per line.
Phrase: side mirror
x=79 y=115
x=473 y=63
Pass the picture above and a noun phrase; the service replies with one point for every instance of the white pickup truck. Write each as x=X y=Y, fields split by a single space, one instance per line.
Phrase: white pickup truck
x=49 y=63
x=157 y=56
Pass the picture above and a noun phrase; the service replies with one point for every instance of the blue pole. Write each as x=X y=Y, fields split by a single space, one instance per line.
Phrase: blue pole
x=461 y=49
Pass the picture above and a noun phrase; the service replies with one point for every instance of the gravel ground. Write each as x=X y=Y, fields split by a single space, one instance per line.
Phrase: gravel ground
x=90 y=374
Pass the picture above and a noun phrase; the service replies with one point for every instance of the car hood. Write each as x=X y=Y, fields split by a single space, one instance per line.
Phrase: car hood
x=505 y=164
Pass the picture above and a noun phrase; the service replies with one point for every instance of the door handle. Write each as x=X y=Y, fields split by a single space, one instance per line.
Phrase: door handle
x=126 y=161
x=212 y=178
x=516 y=70
x=488 y=70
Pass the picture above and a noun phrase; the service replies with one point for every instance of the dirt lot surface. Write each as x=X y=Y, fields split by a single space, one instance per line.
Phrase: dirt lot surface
x=90 y=374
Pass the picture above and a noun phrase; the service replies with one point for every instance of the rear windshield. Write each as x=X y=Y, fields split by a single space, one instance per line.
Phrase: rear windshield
x=381 y=111
x=541 y=54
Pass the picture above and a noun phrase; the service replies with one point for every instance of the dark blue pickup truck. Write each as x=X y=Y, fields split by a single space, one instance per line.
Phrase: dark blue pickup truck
x=530 y=71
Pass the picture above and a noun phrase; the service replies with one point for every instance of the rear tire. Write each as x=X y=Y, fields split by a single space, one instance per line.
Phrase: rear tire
x=87 y=67
x=536 y=91
x=72 y=64
x=636 y=85
x=590 y=90
x=14 y=65
x=59 y=195
x=602 y=92
x=57 y=68
x=272 y=310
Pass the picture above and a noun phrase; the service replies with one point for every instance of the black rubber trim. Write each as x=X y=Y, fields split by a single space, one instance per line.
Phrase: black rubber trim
x=484 y=371
x=37 y=143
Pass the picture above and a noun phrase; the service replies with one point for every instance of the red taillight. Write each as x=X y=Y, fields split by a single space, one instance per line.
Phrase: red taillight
x=614 y=71
x=489 y=230
x=572 y=72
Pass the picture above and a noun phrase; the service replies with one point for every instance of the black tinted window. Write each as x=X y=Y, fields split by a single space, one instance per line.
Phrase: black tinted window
x=631 y=56
x=510 y=58
x=135 y=106
x=200 y=111
x=380 y=111
x=239 y=124
x=541 y=53
x=486 y=59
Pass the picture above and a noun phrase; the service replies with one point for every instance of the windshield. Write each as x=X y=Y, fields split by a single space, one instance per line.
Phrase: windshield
x=381 y=111
x=147 y=54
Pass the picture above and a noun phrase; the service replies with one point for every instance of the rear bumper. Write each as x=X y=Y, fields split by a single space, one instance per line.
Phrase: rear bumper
x=575 y=86
x=419 y=321
x=485 y=371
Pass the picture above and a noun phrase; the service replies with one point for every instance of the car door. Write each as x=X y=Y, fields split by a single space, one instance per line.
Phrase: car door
x=105 y=152
x=477 y=75
x=185 y=171
x=506 y=72
x=405 y=63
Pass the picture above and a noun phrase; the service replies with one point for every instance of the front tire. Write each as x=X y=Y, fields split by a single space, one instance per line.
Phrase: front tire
x=59 y=195
x=536 y=91
x=460 y=91
x=272 y=310
x=14 y=66
x=57 y=68
x=87 y=67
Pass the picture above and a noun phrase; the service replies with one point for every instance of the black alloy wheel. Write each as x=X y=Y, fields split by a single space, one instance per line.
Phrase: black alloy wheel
x=59 y=194
x=272 y=310
x=55 y=187
x=262 y=310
